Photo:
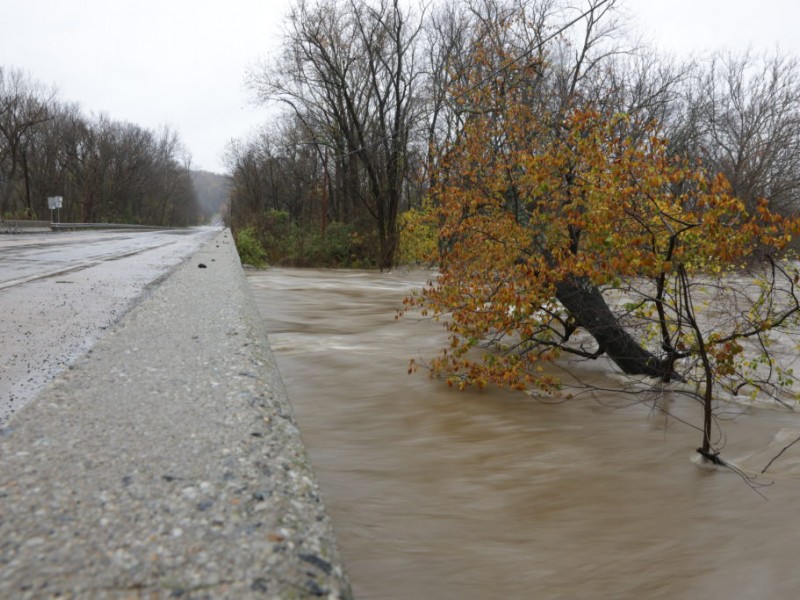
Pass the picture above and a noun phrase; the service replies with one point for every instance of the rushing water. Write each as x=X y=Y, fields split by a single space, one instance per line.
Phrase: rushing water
x=439 y=494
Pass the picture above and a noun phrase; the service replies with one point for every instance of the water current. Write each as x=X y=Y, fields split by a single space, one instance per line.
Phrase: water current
x=439 y=494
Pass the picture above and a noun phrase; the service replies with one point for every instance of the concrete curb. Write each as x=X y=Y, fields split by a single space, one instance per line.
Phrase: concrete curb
x=167 y=463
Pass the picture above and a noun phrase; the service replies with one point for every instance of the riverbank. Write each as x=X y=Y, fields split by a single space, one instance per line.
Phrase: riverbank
x=167 y=462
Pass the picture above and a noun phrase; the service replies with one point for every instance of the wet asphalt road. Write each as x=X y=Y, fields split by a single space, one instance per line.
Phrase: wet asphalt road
x=60 y=291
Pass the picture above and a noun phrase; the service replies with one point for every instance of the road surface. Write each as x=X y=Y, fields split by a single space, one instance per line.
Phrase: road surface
x=59 y=292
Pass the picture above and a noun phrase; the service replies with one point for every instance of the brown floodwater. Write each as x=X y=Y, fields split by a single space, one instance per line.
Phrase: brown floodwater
x=440 y=494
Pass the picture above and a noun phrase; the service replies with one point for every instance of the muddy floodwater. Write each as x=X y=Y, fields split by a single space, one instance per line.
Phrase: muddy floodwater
x=439 y=494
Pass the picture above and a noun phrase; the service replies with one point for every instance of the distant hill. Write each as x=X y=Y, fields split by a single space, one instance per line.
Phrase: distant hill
x=212 y=191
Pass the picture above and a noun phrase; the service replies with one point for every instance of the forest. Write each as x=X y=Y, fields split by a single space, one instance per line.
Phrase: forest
x=582 y=195
x=375 y=92
x=107 y=171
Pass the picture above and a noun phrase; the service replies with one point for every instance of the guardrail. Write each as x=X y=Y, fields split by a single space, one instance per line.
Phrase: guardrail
x=20 y=226
x=72 y=226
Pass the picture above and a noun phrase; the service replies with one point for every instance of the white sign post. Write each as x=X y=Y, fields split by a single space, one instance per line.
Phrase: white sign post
x=54 y=203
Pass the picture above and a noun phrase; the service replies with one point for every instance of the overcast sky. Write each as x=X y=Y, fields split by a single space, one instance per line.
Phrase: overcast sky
x=182 y=62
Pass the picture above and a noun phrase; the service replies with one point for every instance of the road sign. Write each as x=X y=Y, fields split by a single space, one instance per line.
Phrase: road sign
x=54 y=202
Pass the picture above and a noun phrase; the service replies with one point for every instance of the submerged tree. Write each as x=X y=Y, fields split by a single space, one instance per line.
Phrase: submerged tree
x=573 y=231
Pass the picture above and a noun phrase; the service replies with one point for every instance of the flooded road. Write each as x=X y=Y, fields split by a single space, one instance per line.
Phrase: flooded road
x=439 y=494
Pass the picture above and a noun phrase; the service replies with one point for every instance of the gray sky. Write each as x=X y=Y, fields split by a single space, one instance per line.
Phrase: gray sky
x=182 y=62
x=151 y=62
x=684 y=26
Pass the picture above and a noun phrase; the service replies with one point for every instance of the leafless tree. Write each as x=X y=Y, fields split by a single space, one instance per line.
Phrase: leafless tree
x=106 y=170
x=349 y=70
x=741 y=117
x=24 y=104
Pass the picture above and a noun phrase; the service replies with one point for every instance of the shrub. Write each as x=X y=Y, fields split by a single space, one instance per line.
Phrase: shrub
x=418 y=236
x=250 y=250
x=341 y=245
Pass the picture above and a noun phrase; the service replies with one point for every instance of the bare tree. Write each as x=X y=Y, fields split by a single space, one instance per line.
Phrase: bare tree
x=742 y=118
x=349 y=72
x=24 y=104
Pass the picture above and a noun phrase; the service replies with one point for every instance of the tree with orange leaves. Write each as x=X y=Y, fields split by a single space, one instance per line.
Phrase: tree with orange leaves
x=574 y=232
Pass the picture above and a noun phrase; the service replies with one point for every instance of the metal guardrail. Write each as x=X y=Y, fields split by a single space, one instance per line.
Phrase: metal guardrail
x=70 y=226
x=21 y=226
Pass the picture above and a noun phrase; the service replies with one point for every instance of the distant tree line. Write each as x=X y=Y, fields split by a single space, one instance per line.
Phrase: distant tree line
x=106 y=170
x=371 y=92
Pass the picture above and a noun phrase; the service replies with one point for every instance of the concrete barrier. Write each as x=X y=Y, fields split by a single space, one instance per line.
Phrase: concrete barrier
x=167 y=463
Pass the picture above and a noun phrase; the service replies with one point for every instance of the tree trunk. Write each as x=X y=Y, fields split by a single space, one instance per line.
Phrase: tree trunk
x=587 y=306
x=27 y=178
